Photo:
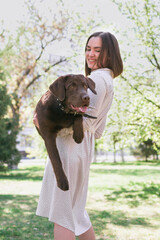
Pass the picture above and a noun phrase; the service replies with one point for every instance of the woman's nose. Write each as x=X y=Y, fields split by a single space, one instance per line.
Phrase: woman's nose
x=91 y=53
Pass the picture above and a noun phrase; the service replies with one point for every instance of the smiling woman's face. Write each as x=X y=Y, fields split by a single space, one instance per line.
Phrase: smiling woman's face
x=92 y=52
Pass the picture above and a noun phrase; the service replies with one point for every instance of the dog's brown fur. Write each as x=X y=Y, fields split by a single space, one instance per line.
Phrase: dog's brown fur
x=57 y=110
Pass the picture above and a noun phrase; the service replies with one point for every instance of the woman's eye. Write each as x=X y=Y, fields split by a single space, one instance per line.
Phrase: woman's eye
x=88 y=50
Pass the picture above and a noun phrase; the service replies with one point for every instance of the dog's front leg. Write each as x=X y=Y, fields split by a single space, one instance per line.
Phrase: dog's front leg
x=78 y=129
x=50 y=142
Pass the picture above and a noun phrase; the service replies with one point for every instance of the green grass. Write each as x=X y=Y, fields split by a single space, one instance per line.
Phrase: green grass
x=123 y=202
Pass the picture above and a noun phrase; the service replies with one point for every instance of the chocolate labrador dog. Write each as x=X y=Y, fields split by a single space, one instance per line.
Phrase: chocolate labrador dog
x=62 y=106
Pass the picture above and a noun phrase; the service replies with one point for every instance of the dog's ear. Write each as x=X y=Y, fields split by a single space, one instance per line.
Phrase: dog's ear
x=91 y=85
x=58 y=88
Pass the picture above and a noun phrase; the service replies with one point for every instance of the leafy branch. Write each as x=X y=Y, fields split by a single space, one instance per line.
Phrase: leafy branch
x=140 y=92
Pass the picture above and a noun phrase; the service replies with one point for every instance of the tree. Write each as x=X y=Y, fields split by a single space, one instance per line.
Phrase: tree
x=142 y=68
x=146 y=149
x=8 y=153
x=26 y=55
x=27 y=60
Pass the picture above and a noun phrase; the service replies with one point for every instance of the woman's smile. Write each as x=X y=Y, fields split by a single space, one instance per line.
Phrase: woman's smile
x=92 y=52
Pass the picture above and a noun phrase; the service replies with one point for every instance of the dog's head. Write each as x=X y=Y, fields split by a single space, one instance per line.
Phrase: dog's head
x=72 y=90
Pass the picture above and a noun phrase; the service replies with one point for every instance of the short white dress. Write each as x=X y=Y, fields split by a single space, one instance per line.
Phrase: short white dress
x=67 y=208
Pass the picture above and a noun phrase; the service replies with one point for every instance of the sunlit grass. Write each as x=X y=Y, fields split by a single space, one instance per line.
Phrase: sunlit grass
x=123 y=202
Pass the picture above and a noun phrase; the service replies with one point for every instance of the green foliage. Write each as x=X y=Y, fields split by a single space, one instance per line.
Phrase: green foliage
x=139 y=84
x=4 y=100
x=8 y=153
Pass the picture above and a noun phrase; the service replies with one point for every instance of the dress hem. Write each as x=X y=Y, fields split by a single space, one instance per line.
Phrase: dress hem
x=54 y=221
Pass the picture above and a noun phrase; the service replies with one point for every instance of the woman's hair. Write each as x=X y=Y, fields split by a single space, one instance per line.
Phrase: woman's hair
x=110 y=56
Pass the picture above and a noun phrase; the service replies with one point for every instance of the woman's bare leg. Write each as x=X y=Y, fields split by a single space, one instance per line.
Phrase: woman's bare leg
x=61 y=233
x=89 y=235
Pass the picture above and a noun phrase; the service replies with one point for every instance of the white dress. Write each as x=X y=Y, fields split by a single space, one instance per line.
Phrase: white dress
x=68 y=208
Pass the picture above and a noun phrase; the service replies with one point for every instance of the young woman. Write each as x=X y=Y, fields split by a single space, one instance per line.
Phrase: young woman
x=67 y=209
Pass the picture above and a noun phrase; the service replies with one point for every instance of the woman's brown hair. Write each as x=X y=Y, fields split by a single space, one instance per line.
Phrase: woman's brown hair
x=110 y=49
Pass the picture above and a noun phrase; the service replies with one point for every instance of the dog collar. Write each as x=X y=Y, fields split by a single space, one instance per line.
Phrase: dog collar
x=60 y=104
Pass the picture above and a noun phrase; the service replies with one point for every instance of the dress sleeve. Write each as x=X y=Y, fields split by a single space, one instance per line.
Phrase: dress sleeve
x=99 y=105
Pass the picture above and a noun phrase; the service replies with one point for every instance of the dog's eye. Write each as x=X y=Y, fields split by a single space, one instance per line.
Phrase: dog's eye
x=73 y=84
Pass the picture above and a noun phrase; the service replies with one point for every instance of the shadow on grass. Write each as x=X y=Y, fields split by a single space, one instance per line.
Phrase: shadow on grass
x=30 y=173
x=135 y=193
x=115 y=217
x=100 y=219
x=18 y=219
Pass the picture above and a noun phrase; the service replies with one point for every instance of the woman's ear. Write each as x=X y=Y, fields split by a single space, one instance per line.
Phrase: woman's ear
x=58 y=88
x=91 y=85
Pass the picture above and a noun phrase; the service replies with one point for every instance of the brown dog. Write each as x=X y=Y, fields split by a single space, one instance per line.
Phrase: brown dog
x=62 y=106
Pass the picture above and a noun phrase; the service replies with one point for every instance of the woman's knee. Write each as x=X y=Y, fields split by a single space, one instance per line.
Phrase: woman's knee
x=88 y=235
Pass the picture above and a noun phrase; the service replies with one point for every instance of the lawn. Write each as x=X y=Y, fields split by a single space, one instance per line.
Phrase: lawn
x=123 y=202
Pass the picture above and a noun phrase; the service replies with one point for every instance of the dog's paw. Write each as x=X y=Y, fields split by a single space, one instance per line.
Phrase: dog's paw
x=78 y=137
x=63 y=184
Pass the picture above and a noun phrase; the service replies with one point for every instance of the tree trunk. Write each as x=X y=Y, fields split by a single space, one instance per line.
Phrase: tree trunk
x=114 y=147
x=95 y=156
x=12 y=166
x=122 y=155
x=115 y=157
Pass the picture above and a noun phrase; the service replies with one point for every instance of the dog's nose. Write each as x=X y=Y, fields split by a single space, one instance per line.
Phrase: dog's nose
x=85 y=98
